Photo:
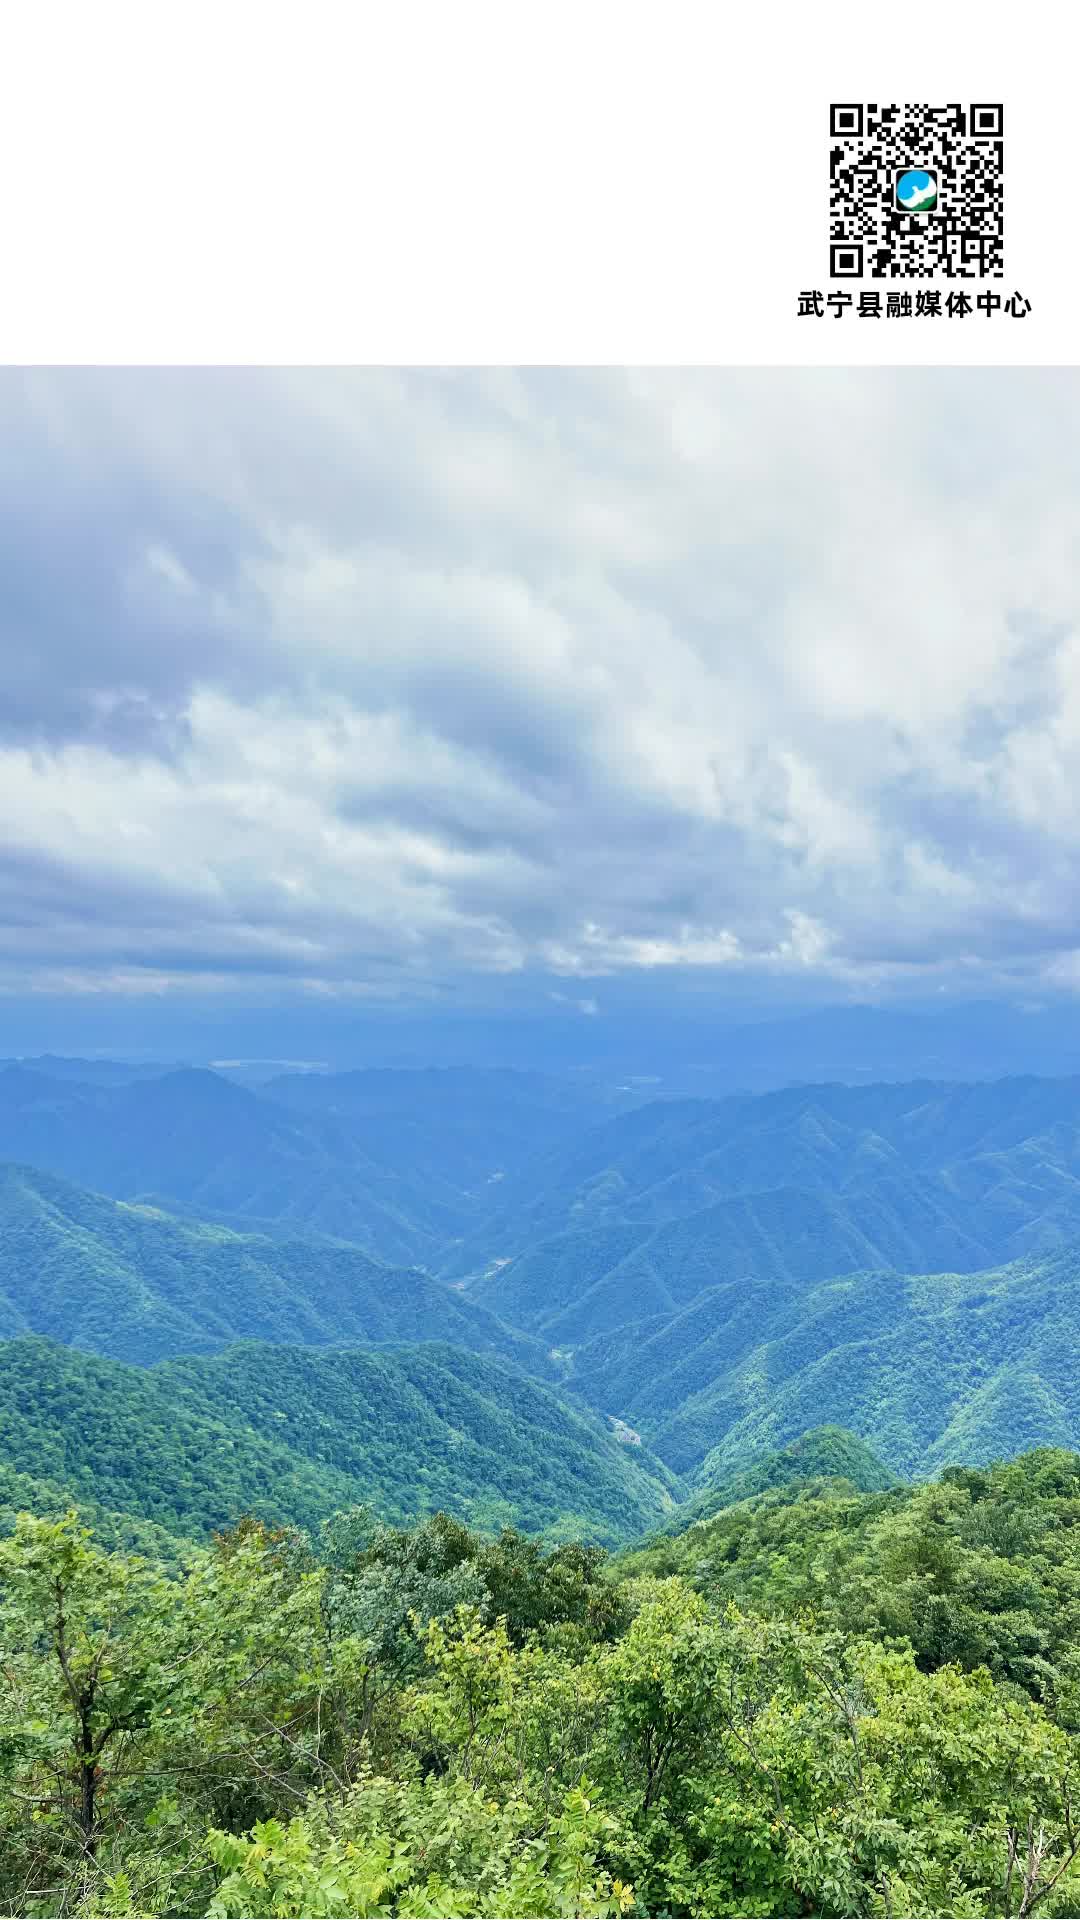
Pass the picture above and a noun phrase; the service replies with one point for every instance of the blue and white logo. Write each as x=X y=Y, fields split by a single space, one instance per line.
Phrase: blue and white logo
x=916 y=191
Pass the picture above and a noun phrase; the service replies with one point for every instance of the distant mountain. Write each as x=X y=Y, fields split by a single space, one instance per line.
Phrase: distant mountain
x=1010 y=1145
x=128 y=1281
x=682 y=1039
x=462 y=1125
x=465 y=1172
x=92 y=1073
x=927 y=1369
x=579 y=1285
x=917 y=1177
x=402 y=1164
x=722 y=1275
x=966 y=1040
x=293 y=1435
x=217 y=1147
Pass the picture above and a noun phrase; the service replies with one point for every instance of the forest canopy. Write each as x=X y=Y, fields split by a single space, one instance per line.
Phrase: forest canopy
x=815 y=1701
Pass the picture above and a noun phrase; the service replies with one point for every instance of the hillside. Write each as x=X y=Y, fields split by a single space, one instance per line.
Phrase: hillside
x=976 y=1568
x=995 y=1164
x=927 y=1369
x=293 y=1435
x=817 y=1695
x=823 y=1454
x=579 y=1285
x=32 y=1493
x=135 y=1284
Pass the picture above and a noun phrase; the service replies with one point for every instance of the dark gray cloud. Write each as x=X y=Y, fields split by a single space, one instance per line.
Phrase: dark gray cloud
x=362 y=682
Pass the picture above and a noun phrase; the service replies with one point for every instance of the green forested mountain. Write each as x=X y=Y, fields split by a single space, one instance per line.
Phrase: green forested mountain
x=977 y=1567
x=996 y=1165
x=457 y=1171
x=134 y=1283
x=723 y=1332
x=809 y=1690
x=823 y=1453
x=592 y=1282
x=928 y=1369
x=35 y=1493
x=294 y=1433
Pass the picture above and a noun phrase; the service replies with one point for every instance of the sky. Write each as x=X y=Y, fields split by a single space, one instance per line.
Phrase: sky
x=595 y=692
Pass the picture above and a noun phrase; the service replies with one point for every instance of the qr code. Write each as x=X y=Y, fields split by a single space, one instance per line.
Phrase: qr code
x=916 y=191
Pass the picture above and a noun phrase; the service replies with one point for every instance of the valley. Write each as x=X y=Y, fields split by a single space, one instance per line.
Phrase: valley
x=493 y=1430
x=715 y=1277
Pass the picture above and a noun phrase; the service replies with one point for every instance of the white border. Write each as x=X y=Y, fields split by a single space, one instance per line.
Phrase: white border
x=478 y=183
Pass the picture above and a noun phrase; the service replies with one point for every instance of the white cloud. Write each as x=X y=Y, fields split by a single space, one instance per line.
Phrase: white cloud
x=367 y=681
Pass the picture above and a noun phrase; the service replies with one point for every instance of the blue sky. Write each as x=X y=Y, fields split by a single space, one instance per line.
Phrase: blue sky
x=578 y=691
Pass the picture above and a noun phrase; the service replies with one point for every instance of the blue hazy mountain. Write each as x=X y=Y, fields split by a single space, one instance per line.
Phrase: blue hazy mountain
x=691 y=1039
x=399 y=1164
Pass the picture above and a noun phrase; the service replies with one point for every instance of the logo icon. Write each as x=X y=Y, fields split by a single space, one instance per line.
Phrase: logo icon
x=916 y=190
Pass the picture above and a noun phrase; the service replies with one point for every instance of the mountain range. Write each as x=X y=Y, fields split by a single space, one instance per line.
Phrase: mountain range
x=928 y=1368
x=995 y=1159
x=695 y=1283
x=128 y=1281
x=384 y=1161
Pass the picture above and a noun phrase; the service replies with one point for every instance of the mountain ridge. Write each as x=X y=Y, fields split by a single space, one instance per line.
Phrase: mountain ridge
x=133 y=1283
x=297 y=1433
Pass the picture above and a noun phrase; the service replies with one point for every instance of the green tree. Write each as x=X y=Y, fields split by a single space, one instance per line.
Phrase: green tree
x=90 y=1675
x=436 y=1848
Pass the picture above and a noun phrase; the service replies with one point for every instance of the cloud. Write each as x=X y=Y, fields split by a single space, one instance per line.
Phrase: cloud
x=361 y=684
